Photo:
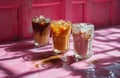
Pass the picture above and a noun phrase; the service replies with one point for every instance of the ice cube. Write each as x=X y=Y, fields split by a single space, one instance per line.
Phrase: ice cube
x=83 y=25
x=47 y=20
x=83 y=30
x=35 y=20
x=42 y=17
x=75 y=28
x=60 y=22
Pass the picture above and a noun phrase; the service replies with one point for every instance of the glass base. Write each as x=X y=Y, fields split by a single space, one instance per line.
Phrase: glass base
x=82 y=57
x=59 y=51
x=40 y=45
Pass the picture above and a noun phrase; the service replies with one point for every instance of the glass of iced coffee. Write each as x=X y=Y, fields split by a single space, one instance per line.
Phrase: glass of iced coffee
x=82 y=39
x=60 y=35
x=41 y=30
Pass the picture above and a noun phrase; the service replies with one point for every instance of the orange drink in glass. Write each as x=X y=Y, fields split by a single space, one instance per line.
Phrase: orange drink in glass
x=61 y=35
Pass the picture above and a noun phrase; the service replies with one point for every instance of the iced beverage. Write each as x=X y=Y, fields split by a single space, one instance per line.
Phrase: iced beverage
x=82 y=39
x=61 y=35
x=41 y=30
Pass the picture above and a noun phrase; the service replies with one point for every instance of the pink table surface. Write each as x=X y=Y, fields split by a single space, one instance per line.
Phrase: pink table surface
x=14 y=61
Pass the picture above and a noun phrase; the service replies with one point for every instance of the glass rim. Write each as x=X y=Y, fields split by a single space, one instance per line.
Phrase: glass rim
x=83 y=23
x=86 y=24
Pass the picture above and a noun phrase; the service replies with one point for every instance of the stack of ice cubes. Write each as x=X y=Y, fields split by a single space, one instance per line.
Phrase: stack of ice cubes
x=84 y=28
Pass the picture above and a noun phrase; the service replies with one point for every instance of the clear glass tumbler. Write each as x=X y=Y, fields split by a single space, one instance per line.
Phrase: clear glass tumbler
x=60 y=35
x=82 y=38
x=41 y=31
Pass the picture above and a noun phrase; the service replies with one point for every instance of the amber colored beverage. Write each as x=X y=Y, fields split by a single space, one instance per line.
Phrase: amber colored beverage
x=82 y=39
x=61 y=35
x=41 y=30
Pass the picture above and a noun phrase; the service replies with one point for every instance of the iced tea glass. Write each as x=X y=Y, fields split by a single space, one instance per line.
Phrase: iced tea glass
x=60 y=35
x=82 y=39
x=41 y=31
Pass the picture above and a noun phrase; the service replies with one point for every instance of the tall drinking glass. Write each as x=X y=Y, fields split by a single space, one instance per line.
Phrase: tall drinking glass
x=82 y=38
x=41 y=30
x=61 y=35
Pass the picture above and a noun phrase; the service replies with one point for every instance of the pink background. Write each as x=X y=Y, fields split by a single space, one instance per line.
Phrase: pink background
x=16 y=15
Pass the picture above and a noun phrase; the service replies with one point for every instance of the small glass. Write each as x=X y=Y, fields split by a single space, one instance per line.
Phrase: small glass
x=41 y=31
x=82 y=38
x=60 y=35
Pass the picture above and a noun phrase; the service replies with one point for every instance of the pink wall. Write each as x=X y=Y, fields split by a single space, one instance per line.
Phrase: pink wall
x=16 y=15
